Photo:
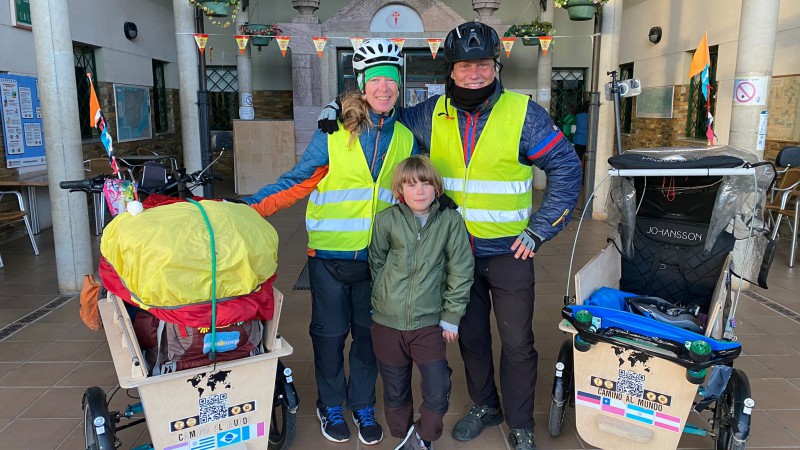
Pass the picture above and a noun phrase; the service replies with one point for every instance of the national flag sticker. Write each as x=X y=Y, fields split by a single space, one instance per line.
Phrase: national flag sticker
x=613 y=406
x=667 y=422
x=640 y=414
x=588 y=400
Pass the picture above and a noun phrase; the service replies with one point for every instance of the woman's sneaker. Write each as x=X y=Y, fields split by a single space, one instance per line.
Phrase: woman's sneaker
x=478 y=418
x=333 y=426
x=369 y=430
x=412 y=441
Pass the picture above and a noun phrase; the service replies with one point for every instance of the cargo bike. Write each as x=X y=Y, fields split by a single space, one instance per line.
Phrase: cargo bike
x=652 y=318
x=213 y=401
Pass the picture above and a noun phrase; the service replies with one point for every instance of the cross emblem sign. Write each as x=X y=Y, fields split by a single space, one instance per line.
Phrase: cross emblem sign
x=396 y=17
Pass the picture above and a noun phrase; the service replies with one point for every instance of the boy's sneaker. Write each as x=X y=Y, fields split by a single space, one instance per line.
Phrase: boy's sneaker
x=522 y=439
x=369 y=430
x=333 y=427
x=412 y=441
x=478 y=418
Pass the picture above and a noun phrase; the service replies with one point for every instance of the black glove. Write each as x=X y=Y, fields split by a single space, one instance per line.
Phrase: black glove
x=446 y=202
x=234 y=200
x=329 y=116
x=530 y=240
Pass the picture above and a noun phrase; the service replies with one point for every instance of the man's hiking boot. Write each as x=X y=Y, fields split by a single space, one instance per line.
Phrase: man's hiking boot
x=369 y=430
x=333 y=426
x=478 y=418
x=522 y=439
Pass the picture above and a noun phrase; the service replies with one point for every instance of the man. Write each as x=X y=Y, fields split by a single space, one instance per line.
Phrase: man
x=484 y=141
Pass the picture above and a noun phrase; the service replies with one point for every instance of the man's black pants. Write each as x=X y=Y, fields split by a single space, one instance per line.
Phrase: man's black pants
x=511 y=283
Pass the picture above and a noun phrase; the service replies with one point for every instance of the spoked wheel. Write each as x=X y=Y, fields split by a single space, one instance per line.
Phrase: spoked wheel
x=283 y=424
x=732 y=413
x=98 y=428
x=562 y=389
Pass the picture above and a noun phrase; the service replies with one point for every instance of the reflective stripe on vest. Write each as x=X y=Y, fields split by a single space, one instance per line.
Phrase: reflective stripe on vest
x=341 y=209
x=494 y=191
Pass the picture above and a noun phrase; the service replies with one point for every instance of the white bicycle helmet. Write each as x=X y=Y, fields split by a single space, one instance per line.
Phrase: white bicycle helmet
x=375 y=52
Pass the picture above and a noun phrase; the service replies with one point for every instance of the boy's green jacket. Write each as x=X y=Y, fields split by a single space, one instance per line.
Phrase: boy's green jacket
x=420 y=274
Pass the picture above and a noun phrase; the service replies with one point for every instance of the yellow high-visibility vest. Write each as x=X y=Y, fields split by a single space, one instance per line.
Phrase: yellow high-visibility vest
x=494 y=192
x=342 y=207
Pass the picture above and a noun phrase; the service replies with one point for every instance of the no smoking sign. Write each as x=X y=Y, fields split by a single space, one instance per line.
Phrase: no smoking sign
x=750 y=91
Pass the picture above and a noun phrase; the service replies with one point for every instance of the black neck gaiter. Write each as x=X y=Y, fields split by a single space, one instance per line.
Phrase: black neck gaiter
x=469 y=99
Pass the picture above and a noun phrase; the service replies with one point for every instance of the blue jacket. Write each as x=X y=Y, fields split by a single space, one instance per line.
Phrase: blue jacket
x=303 y=178
x=542 y=144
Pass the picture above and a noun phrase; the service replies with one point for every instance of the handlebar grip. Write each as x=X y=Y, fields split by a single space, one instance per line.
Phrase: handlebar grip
x=85 y=184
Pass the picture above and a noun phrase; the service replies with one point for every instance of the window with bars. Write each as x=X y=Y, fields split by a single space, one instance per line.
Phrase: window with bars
x=160 y=116
x=223 y=98
x=626 y=104
x=84 y=63
x=696 y=118
x=566 y=93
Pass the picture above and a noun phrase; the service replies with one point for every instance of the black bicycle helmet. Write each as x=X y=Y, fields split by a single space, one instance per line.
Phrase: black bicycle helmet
x=471 y=40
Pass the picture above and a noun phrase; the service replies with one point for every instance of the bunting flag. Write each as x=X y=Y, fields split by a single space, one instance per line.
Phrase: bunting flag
x=319 y=44
x=434 y=45
x=98 y=120
x=283 y=43
x=241 y=41
x=356 y=42
x=201 y=39
x=700 y=64
x=545 y=41
x=508 y=42
x=399 y=42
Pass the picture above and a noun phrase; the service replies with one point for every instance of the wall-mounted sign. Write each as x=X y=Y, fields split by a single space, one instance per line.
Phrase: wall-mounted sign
x=23 y=134
x=21 y=13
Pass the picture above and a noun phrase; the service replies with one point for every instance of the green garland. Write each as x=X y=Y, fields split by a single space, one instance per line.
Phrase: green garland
x=229 y=20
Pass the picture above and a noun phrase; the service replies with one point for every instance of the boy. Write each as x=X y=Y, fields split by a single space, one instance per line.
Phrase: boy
x=422 y=270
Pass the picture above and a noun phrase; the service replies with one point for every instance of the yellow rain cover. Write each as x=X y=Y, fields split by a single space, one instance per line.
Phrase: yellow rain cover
x=163 y=255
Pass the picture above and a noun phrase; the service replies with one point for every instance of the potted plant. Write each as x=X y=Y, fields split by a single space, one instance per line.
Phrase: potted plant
x=218 y=8
x=530 y=32
x=260 y=34
x=580 y=9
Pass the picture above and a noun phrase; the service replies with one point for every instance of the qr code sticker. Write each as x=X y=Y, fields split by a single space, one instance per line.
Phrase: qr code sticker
x=213 y=408
x=631 y=383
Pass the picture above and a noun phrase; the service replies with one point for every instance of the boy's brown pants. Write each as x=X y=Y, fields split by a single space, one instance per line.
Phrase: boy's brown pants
x=395 y=351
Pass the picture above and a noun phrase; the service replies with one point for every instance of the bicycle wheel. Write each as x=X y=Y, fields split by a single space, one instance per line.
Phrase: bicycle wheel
x=562 y=390
x=283 y=423
x=98 y=429
x=731 y=420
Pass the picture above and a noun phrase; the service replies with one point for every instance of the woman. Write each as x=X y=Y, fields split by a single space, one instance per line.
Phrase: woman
x=348 y=177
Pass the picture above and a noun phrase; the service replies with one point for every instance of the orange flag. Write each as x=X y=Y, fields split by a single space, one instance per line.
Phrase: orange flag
x=508 y=42
x=545 y=41
x=319 y=44
x=201 y=40
x=399 y=42
x=283 y=43
x=241 y=41
x=434 y=45
x=701 y=58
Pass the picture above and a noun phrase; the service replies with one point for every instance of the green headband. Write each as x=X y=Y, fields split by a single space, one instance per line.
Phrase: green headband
x=381 y=71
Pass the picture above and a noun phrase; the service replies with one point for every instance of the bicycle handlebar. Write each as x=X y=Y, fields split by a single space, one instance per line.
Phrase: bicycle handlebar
x=92 y=185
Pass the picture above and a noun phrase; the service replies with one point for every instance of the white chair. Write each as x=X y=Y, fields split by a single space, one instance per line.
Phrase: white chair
x=16 y=216
x=785 y=203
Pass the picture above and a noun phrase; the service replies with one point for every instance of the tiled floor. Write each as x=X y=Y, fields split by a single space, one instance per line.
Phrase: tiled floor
x=46 y=366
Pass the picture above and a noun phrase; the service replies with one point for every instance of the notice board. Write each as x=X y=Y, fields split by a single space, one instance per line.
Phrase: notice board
x=23 y=134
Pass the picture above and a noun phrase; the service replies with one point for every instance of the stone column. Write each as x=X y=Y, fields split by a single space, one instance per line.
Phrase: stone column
x=758 y=27
x=306 y=71
x=244 y=70
x=58 y=92
x=183 y=14
x=544 y=81
x=305 y=10
x=486 y=10
x=611 y=23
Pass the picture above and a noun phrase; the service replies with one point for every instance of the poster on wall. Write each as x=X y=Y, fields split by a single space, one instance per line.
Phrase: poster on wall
x=23 y=134
x=133 y=112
